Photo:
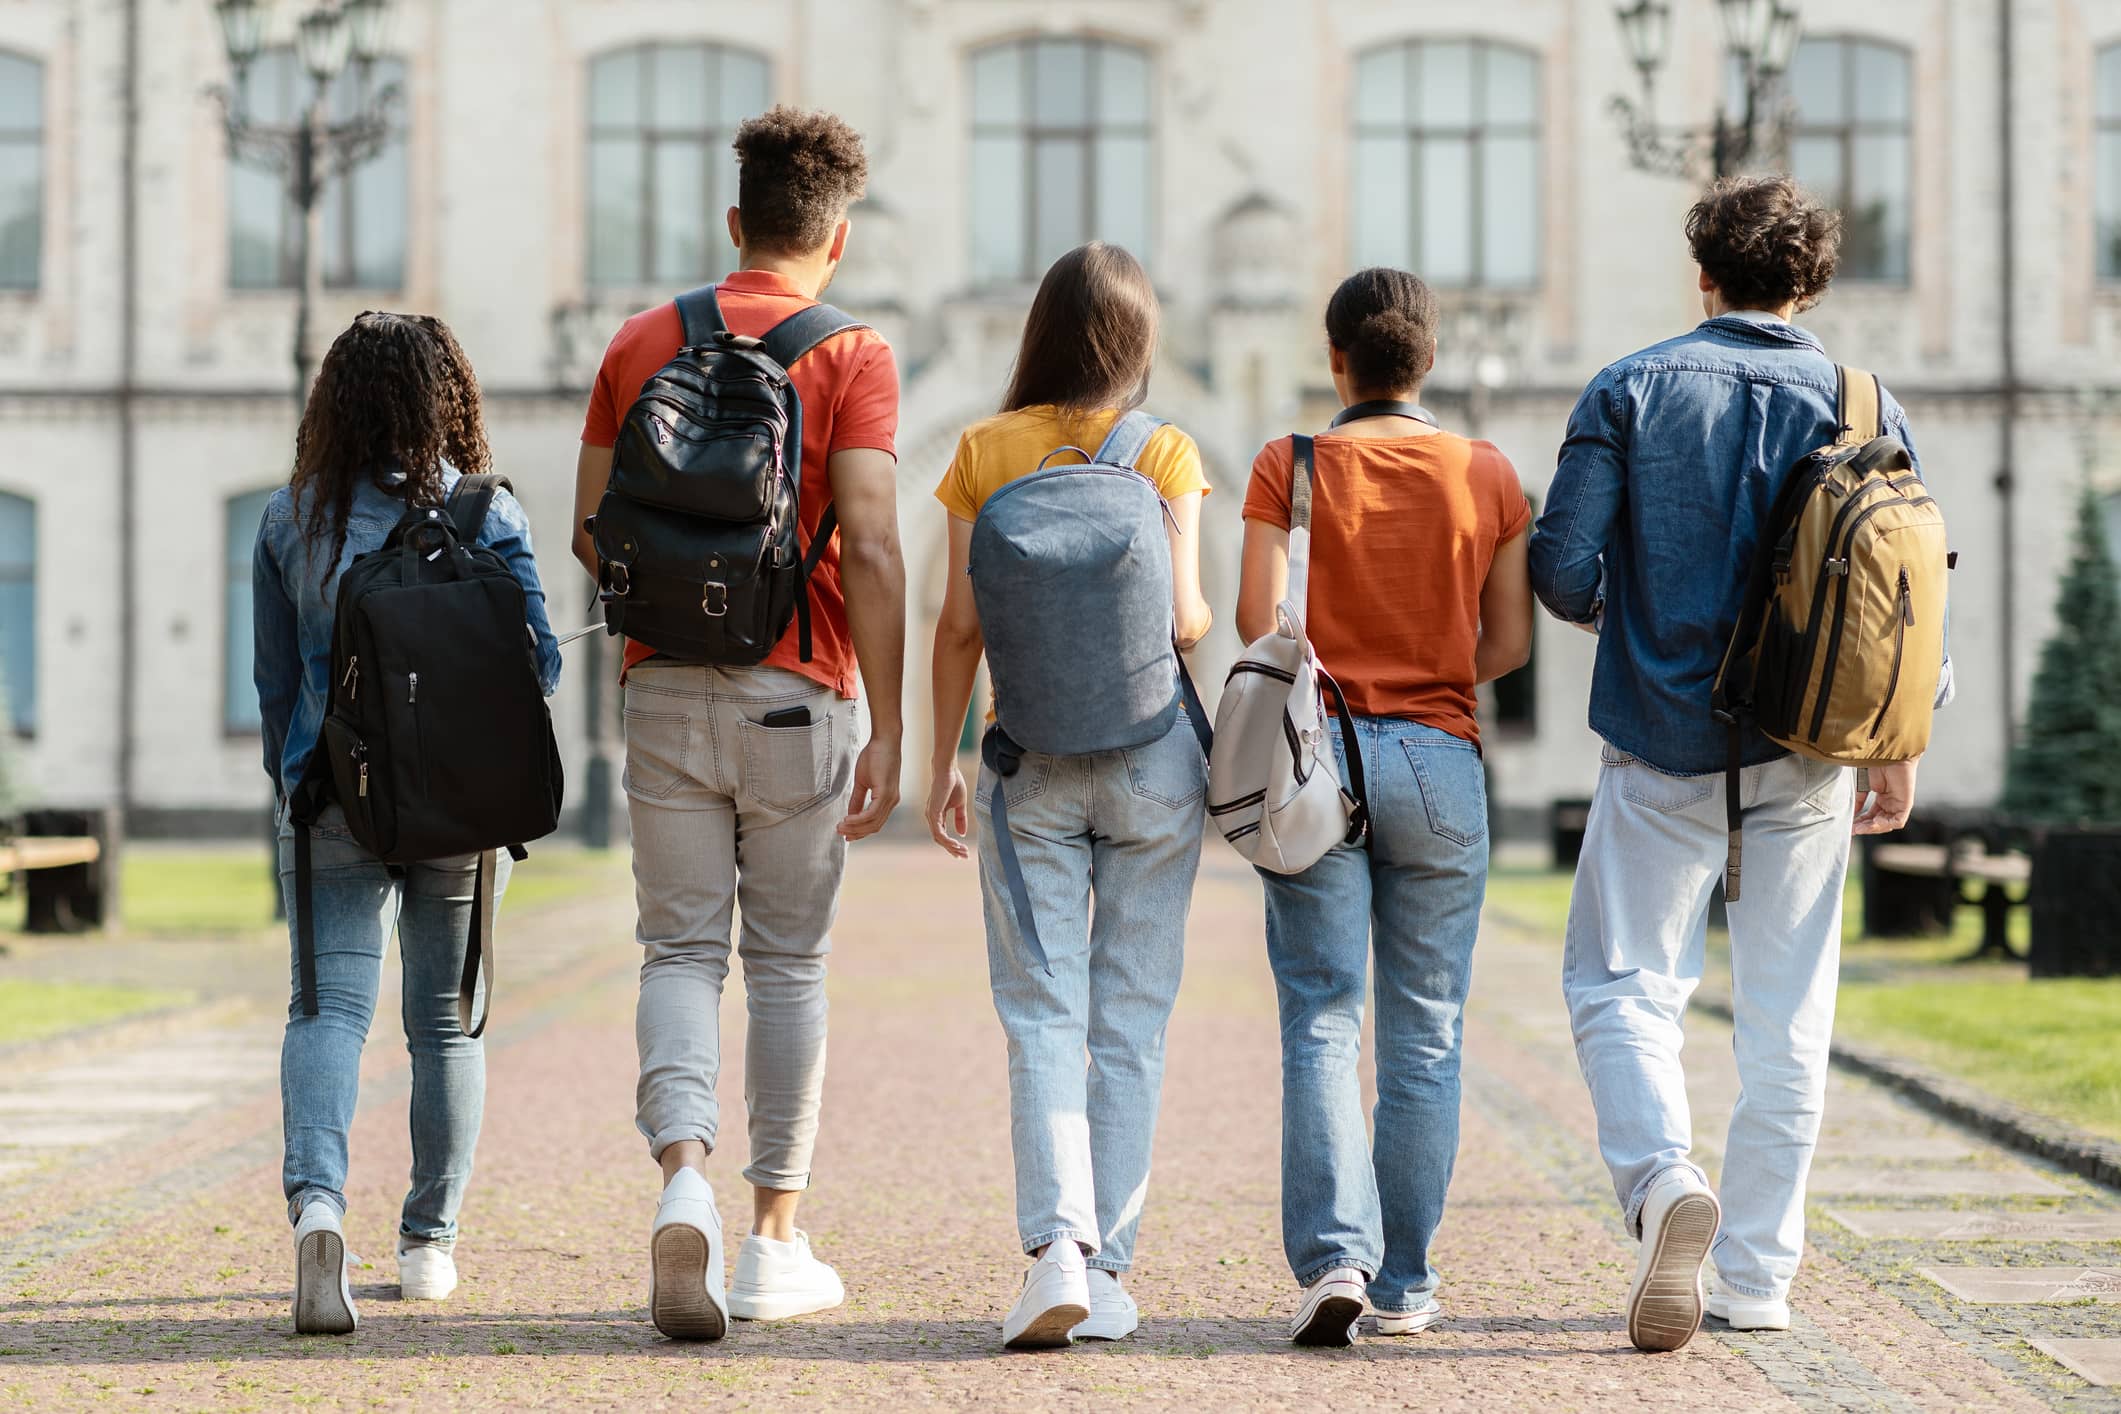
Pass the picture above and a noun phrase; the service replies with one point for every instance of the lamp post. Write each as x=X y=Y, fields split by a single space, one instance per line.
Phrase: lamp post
x=314 y=150
x=1750 y=126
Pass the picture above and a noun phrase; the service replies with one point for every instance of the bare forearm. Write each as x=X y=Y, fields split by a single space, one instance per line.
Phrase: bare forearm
x=1493 y=658
x=873 y=572
x=957 y=656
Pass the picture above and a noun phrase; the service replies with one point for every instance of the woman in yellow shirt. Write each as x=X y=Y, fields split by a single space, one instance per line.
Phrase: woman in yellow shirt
x=1125 y=824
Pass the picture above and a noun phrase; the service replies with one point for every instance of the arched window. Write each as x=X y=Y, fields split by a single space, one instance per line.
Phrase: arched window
x=1852 y=146
x=2107 y=111
x=1446 y=175
x=364 y=213
x=661 y=173
x=239 y=689
x=18 y=610
x=1060 y=153
x=21 y=171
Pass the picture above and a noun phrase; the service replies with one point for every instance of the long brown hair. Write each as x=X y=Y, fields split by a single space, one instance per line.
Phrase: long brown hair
x=1090 y=338
x=396 y=393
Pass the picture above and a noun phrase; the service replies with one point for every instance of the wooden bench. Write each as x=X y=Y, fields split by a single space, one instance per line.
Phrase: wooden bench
x=1969 y=861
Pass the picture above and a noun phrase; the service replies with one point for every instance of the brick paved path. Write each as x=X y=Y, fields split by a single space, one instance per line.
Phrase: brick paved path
x=144 y=1251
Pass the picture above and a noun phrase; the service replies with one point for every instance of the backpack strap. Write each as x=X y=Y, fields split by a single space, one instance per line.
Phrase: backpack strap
x=1128 y=439
x=786 y=343
x=1302 y=457
x=1861 y=405
x=478 y=948
x=804 y=330
x=1003 y=756
x=701 y=313
x=470 y=499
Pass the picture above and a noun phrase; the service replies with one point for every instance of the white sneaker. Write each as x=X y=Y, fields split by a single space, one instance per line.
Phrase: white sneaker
x=685 y=1297
x=1409 y=1322
x=427 y=1271
x=323 y=1295
x=1747 y=1313
x=1331 y=1307
x=1679 y=1220
x=1054 y=1301
x=1113 y=1314
x=776 y=1280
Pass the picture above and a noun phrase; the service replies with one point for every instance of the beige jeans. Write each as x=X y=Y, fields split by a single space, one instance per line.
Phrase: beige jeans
x=732 y=819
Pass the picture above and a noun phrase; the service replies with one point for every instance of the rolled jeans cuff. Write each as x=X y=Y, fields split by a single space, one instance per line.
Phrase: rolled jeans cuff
x=677 y=1134
x=776 y=1182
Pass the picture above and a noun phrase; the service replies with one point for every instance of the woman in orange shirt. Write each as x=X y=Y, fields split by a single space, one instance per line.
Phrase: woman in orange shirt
x=1418 y=593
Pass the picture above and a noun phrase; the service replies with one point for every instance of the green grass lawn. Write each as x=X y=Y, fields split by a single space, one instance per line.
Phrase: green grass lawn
x=2052 y=1046
x=29 y=1010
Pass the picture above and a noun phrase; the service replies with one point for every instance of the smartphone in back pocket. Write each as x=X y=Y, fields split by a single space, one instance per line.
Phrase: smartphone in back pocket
x=787 y=717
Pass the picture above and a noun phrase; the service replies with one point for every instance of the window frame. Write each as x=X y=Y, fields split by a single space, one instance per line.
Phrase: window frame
x=24 y=723
x=1845 y=132
x=2106 y=124
x=1030 y=131
x=1414 y=132
x=34 y=139
x=341 y=257
x=711 y=137
x=235 y=571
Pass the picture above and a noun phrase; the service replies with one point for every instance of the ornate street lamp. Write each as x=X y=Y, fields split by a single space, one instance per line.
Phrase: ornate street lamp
x=316 y=149
x=1750 y=127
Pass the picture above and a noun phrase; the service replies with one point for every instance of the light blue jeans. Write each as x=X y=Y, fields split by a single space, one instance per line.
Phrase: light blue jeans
x=1122 y=830
x=358 y=905
x=1418 y=881
x=1652 y=852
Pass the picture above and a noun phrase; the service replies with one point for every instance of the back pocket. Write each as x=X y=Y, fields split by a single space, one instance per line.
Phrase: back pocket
x=1453 y=791
x=788 y=768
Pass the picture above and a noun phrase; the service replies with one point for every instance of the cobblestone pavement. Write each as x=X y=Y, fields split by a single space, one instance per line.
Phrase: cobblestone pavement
x=144 y=1254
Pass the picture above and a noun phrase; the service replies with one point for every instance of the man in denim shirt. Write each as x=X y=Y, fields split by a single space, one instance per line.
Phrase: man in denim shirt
x=1673 y=458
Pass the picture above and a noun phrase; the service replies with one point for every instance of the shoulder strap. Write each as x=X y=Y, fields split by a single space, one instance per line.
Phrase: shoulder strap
x=470 y=499
x=1861 y=406
x=701 y=313
x=1128 y=439
x=1301 y=460
x=804 y=330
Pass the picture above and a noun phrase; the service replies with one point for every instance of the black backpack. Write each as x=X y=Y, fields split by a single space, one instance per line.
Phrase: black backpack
x=698 y=548
x=438 y=742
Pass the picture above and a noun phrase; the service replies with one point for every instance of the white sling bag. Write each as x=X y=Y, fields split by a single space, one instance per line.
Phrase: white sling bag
x=1272 y=787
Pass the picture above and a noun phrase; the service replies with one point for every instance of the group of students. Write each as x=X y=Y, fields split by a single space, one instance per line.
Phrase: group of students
x=746 y=784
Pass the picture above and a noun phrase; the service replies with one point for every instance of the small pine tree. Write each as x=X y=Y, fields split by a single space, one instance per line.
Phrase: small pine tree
x=2067 y=765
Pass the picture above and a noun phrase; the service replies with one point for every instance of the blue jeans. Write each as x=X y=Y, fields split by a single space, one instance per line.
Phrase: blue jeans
x=1418 y=880
x=1125 y=828
x=358 y=904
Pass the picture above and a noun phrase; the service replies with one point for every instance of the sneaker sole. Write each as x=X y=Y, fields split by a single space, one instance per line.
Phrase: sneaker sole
x=781 y=1306
x=424 y=1293
x=682 y=1308
x=1752 y=1323
x=1664 y=1314
x=320 y=1302
x=1050 y=1329
x=1331 y=1323
x=1407 y=1325
x=1111 y=1330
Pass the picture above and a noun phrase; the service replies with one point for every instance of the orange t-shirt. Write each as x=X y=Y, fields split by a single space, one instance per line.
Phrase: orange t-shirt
x=849 y=388
x=1403 y=530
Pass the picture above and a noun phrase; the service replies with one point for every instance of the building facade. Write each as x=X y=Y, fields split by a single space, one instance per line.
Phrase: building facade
x=562 y=163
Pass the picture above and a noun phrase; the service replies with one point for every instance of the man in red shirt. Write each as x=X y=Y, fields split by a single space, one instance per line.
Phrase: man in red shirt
x=731 y=812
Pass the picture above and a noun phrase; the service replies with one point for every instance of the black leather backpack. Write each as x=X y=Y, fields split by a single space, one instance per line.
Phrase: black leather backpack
x=698 y=547
x=438 y=742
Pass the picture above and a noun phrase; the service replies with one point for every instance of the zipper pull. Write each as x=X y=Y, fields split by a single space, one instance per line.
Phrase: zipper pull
x=352 y=681
x=413 y=688
x=1907 y=601
x=364 y=780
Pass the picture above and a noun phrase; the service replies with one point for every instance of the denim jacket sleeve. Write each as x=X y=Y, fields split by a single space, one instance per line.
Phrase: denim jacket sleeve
x=507 y=530
x=1583 y=505
x=276 y=656
x=1897 y=428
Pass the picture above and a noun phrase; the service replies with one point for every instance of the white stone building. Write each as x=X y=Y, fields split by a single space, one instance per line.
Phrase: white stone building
x=563 y=163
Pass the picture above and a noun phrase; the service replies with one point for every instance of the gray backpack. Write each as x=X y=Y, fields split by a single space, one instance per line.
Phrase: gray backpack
x=1071 y=573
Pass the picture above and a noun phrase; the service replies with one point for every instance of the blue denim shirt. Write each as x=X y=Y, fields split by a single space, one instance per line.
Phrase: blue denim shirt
x=1673 y=459
x=292 y=609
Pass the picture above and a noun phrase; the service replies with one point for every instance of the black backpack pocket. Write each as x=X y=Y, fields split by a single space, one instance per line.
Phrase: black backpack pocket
x=680 y=457
x=698 y=590
x=357 y=776
x=1779 y=679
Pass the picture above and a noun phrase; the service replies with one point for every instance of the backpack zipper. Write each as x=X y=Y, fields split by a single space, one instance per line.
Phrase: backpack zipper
x=1841 y=605
x=352 y=681
x=1892 y=682
x=412 y=684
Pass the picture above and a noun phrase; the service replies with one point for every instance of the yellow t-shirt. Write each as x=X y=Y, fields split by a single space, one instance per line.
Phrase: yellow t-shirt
x=997 y=451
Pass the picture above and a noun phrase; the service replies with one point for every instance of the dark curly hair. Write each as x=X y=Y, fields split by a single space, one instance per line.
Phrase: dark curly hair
x=1383 y=322
x=1764 y=242
x=396 y=392
x=797 y=173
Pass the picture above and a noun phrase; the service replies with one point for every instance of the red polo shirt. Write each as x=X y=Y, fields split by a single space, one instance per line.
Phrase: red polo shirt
x=849 y=388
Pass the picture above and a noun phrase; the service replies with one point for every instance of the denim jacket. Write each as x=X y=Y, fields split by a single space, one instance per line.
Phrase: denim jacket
x=1673 y=459
x=292 y=609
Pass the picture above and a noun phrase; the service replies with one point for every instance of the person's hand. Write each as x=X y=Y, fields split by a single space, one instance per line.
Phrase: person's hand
x=1892 y=799
x=946 y=810
x=875 y=789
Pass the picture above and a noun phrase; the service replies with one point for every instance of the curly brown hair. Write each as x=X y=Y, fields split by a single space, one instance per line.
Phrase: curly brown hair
x=797 y=173
x=396 y=393
x=1765 y=242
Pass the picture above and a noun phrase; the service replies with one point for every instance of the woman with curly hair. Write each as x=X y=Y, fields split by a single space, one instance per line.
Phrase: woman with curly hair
x=393 y=420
